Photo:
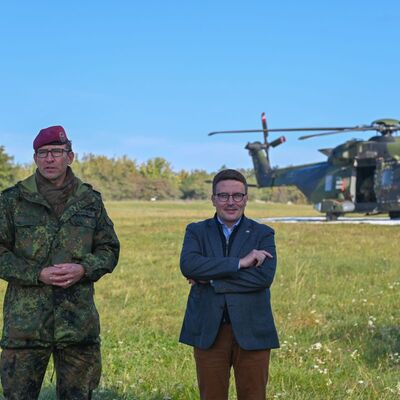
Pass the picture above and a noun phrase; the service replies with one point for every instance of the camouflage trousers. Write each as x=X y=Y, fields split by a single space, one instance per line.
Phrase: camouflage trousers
x=78 y=370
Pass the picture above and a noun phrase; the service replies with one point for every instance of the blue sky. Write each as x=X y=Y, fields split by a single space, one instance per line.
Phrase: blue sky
x=147 y=79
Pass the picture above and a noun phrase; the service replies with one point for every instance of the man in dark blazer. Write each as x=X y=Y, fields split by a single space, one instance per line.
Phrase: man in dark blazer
x=230 y=261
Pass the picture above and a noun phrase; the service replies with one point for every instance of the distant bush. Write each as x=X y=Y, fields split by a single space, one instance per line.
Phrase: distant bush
x=123 y=179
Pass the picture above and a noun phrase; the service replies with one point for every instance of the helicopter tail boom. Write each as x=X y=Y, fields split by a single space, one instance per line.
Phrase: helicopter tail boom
x=262 y=168
x=259 y=153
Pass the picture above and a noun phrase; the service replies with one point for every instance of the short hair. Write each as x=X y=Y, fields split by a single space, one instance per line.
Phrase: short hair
x=228 y=174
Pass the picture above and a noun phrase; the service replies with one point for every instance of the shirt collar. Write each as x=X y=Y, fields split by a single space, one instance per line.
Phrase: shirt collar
x=227 y=231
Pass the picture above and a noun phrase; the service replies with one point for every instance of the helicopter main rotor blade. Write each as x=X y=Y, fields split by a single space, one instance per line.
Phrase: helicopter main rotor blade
x=283 y=130
x=355 y=129
x=243 y=131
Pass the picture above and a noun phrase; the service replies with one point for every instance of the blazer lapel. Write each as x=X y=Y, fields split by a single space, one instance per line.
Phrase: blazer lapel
x=214 y=238
x=242 y=236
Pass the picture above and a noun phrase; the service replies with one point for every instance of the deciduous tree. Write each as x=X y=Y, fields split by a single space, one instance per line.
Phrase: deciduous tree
x=6 y=169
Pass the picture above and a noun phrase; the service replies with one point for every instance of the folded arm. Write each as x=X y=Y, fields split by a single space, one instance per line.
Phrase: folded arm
x=194 y=265
x=255 y=278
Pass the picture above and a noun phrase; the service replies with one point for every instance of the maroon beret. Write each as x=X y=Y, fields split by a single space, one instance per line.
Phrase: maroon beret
x=51 y=135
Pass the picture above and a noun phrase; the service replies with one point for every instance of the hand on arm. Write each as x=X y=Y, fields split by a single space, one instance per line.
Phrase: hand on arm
x=254 y=259
x=62 y=275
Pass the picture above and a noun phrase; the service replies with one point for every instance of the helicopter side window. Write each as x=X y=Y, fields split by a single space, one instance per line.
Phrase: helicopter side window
x=387 y=178
x=328 y=183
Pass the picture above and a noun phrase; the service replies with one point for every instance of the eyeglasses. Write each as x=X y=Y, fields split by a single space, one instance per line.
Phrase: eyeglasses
x=54 y=152
x=236 y=197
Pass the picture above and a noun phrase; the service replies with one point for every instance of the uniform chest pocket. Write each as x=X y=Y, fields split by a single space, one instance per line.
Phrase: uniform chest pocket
x=29 y=228
x=84 y=218
x=28 y=221
x=31 y=236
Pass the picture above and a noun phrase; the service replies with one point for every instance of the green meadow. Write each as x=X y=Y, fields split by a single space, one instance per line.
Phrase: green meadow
x=335 y=297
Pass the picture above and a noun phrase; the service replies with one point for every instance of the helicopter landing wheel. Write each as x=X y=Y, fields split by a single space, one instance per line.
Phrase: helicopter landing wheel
x=332 y=216
x=394 y=214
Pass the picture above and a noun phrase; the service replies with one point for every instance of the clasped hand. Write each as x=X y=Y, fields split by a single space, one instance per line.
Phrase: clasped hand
x=62 y=275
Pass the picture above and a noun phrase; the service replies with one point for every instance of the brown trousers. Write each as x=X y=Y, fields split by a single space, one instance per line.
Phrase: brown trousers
x=214 y=364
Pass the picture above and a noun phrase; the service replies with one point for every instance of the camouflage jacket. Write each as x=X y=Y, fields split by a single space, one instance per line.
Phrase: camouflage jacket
x=31 y=237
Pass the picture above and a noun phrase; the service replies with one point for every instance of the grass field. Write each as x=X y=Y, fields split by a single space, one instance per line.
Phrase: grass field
x=335 y=299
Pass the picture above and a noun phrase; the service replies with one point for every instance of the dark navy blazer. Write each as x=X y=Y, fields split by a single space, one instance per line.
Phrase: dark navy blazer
x=245 y=291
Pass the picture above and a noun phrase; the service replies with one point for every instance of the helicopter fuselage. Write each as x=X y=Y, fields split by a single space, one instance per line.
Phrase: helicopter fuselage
x=358 y=176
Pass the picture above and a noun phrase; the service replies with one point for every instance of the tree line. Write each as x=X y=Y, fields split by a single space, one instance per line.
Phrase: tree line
x=124 y=179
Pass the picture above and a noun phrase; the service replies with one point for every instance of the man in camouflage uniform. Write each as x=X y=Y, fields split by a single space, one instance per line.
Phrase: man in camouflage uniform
x=56 y=240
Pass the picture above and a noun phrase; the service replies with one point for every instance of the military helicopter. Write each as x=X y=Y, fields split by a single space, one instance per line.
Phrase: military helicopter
x=360 y=176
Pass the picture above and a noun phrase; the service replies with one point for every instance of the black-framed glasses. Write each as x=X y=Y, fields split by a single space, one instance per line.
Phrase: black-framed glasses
x=224 y=197
x=43 y=153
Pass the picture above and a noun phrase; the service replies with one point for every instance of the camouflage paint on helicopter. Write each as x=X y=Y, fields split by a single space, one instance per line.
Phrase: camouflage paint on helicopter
x=358 y=176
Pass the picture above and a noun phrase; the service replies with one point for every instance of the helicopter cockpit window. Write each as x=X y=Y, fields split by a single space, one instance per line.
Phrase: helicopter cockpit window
x=387 y=178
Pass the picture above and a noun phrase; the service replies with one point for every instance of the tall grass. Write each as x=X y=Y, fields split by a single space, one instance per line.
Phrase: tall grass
x=335 y=300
